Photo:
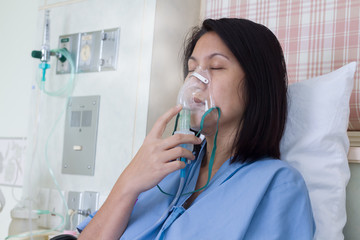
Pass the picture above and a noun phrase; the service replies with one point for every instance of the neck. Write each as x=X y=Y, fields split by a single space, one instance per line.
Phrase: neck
x=224 y=143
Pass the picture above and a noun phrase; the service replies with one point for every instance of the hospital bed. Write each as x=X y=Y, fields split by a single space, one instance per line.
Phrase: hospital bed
x=317 y=37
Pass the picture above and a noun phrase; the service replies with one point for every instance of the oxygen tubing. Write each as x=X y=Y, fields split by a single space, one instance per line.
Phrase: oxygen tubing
x=65 y=91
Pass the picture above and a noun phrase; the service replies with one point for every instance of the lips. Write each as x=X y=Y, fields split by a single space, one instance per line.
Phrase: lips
x=197 y=100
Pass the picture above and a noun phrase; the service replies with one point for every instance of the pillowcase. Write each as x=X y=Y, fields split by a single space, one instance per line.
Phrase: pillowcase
x=315 y=142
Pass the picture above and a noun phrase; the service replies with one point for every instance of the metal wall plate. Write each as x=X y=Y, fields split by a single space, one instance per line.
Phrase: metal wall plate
x=89 y=203
x=91 y=51
x=81 y=124
x=71 y=43
x=74 y=203
x=109 y=49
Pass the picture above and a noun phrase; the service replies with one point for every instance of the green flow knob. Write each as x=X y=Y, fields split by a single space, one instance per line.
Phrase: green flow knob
x=36 y=54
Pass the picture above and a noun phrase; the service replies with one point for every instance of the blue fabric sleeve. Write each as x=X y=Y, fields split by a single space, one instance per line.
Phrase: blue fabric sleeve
x=284 y=213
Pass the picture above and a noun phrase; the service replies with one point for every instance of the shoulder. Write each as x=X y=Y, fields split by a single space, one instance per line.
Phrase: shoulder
x=277 y=169
x=283 y=200
x=271 y=173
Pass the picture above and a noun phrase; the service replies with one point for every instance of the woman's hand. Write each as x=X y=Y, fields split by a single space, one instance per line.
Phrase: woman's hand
x=155 y=158
x=153 y=161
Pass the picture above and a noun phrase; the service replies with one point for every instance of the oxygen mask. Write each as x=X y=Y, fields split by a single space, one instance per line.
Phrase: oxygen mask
x=198 y=113
x=197 y=101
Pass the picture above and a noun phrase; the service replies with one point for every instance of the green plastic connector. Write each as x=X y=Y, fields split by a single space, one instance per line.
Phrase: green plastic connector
x=36 y=54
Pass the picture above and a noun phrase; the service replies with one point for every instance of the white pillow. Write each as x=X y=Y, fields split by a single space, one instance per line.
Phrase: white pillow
x=315 y=142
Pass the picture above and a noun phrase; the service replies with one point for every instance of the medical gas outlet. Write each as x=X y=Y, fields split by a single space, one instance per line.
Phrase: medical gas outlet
x=92 y=51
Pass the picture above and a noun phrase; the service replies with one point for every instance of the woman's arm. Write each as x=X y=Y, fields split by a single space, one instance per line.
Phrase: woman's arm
x=152 y=163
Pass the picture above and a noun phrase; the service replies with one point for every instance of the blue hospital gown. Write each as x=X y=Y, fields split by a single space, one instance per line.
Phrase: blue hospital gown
x=267 y=199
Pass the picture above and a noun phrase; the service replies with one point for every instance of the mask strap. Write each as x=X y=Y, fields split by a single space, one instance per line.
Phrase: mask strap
x=212 y=157
x=175 y=127
x=176 y=123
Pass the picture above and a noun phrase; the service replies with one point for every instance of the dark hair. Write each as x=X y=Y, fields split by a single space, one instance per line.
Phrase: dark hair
x=265 y=84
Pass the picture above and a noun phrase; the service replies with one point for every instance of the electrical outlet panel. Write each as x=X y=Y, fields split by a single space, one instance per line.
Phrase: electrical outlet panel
x=90 y=203
x=81 y=124
x=91 y=51
x=83 y=203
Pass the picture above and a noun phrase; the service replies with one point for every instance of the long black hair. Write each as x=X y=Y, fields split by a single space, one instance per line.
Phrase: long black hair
x=265 y=84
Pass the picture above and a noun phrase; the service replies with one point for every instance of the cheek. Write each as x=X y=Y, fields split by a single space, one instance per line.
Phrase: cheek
x=230 y=99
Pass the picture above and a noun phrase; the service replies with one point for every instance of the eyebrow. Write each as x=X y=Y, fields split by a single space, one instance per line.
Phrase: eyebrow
x=211 y=56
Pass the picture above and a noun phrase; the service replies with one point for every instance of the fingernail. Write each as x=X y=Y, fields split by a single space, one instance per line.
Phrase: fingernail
x=179 y=106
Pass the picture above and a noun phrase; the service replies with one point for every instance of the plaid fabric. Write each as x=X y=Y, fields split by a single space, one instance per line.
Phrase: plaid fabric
x=317 y=36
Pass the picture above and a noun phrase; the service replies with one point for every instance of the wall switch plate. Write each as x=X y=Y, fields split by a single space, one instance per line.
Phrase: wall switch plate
x=81 y=124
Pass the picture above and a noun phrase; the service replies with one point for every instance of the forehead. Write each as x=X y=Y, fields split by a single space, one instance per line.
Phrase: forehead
x=209 y=44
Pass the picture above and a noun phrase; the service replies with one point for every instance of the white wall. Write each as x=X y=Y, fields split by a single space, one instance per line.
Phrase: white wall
x=125 y=93
x=173 y=21
x=18 y=26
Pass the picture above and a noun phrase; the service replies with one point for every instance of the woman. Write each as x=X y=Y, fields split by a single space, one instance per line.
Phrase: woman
x=252 y=194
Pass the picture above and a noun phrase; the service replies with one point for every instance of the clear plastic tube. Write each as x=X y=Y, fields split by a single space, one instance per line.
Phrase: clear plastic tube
x=66 y=92
x=45 y=47
x=46 y=37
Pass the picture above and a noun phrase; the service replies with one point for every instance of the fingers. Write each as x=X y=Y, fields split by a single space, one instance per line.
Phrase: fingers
x=160 y=125
x=178 y=139
x=175 y=165
x=175 y=153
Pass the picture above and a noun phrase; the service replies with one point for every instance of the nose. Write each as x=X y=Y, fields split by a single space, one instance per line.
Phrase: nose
x=200 y=77
x=197 y=82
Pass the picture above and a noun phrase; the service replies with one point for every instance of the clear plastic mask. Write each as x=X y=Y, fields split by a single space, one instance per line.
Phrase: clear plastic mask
x=196 y=96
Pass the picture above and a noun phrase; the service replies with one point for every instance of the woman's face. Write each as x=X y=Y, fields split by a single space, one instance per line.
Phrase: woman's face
x=226 y=78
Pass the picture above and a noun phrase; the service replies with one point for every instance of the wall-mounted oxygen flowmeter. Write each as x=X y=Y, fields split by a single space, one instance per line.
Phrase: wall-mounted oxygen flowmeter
x=92 y=51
